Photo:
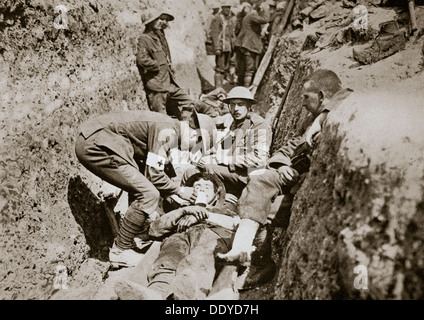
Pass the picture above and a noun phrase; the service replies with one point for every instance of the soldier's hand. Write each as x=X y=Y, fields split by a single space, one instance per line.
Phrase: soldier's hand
x=198 y=212
x=204 y=161
x=218 y=93
x=313 y=133
x=185 y=193
x=218 y=52
x=206 y=168
x=231 y=198
x=288 y=175
x=186 y=222
x=314 y=130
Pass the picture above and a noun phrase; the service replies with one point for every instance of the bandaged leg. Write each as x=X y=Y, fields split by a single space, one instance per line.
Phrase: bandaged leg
x=242 y=247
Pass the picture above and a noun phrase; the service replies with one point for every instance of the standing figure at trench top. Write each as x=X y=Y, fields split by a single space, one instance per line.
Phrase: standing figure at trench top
x=209 y=44
x=222 y=34
x=155 y=66
x=322 y=92
x=131 y=150
x=250 y=43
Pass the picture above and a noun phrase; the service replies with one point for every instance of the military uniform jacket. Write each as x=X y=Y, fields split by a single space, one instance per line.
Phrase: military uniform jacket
x=250 y=34
x=135 y=135
x=222 y=33
x=154 y=62
x=284 y=155
x=248 y=143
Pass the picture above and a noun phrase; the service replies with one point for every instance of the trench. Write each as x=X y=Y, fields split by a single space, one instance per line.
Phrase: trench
x=362 y=202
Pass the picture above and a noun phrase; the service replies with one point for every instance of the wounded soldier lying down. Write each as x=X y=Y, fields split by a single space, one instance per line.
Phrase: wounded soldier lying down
x=185 y=268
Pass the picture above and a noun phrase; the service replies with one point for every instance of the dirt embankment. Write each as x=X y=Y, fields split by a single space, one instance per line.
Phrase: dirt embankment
x=51 y=80
x=355 y=230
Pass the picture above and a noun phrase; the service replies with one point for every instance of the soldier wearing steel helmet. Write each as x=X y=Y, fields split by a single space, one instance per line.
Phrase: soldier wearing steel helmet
x=245 y=147
x=155 y=65
x=322 y=92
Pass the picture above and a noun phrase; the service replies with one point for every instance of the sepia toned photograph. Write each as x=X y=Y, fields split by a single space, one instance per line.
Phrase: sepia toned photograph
x=231 y=152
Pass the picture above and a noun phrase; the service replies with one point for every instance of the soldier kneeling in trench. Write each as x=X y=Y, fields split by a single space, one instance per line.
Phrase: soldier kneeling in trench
x=286 y=169
x=186 y=267
x=131 y=150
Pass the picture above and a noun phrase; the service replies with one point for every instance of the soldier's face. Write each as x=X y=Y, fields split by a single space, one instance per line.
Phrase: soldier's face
x=205 y=186
x=226 y=11
x=165 y=22
x=311 y=99
x=186 y=115
x=239 y=108
x=158 y=24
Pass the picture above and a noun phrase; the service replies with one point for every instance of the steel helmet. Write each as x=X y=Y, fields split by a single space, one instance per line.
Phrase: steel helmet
x=152 y=14
x=239 y=93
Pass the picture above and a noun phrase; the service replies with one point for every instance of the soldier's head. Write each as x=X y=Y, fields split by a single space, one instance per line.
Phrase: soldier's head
x=271 y=5
x=166 y=18
x=186 y=111
x=226 y=9
x=154 y=19
x=246 y=7
x=318 y=87
x=197 y=132
x=240 y=101
x=208 y=188
x=281 y=6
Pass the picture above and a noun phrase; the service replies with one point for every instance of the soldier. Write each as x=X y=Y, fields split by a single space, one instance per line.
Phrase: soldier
x=209 y=44
x=131 y=150
x=322 y=92
x=266 y=30
x=154 y=63
x=222 y=33
x=244 y=149
x=185 y=267
x=250 y=42
x=245 y=9
x=279 y=12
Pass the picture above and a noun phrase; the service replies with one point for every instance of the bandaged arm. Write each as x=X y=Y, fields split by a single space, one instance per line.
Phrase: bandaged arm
x=224 y=221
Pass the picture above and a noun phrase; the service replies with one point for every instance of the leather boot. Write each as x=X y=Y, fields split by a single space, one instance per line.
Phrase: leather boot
x=256 y=275
x=124 y=258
